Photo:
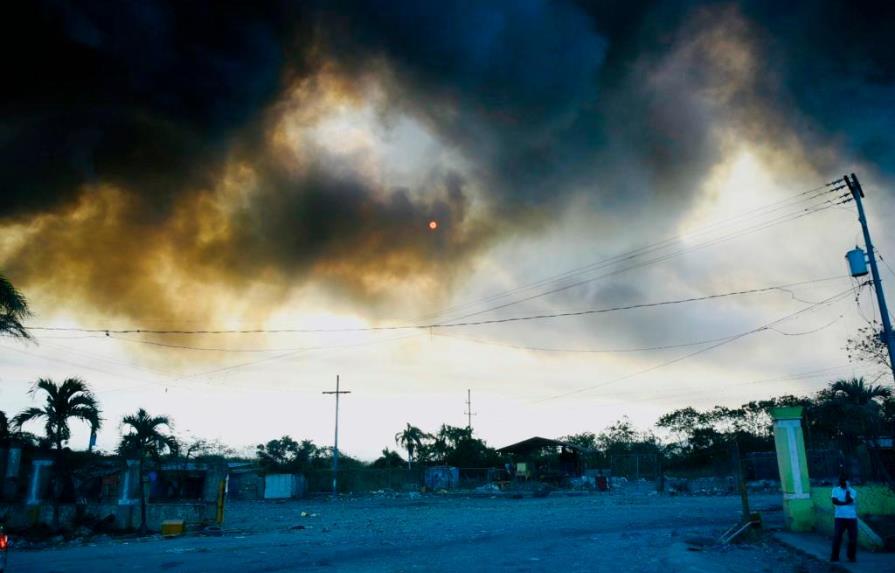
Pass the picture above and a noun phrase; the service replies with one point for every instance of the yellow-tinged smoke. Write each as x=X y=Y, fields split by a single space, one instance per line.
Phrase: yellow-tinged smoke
x=283 y=211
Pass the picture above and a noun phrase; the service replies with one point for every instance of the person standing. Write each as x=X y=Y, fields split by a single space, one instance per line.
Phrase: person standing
x=846 y=519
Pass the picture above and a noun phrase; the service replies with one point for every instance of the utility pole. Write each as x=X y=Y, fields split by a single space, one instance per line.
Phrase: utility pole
x=337 y=392
x=469 y=413
x=858 y=194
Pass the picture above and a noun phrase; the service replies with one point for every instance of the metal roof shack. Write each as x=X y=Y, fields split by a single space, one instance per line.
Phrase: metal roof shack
x=537 y=443
x=545 y=460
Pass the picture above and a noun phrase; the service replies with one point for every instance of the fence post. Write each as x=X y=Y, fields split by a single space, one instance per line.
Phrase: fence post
x=740 y=479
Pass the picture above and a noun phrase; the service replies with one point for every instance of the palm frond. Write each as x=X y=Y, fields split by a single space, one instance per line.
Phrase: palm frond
x=46 y=385
x=169 y=443
x=26 y=416
x=88 y=414
x=13 y=310
x=73 y=386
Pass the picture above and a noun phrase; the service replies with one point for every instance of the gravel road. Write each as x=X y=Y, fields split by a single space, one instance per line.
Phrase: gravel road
x=590 y=532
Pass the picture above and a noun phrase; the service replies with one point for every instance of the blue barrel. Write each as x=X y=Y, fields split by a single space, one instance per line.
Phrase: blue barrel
x=857 y=262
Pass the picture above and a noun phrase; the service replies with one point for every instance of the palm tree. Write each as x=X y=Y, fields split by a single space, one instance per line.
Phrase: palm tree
x=70 y=400
x=856 y=392
x=146 y=438
x=860 y=409
x=849 y=412
x=13 y=310
x=411 y=439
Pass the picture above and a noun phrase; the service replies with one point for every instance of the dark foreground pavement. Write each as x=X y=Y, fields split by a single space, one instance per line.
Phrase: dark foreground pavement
x=451 y=533
x=819 y=546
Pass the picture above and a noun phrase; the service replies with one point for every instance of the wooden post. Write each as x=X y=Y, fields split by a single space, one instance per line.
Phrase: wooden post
x=219 y=517
x=741 y=482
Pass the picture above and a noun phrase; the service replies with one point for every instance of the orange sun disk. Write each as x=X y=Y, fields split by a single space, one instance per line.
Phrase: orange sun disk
x=433 y=225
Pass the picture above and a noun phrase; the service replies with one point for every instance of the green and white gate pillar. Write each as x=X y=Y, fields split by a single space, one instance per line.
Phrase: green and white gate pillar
x=798 y=509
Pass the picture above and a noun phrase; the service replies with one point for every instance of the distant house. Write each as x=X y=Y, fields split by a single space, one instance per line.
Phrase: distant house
x=246 y=481
x=544 y=459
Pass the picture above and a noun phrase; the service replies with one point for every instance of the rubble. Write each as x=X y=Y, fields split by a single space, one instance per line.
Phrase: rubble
x=487 y=488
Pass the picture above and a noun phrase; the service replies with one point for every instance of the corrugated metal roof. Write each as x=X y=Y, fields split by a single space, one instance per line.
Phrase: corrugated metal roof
x=536 y=443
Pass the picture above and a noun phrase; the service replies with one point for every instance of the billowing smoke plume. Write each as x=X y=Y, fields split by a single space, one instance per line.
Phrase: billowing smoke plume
x=162 y=159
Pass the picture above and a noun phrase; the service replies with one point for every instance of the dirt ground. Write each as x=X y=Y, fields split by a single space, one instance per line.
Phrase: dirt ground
x=412 y=532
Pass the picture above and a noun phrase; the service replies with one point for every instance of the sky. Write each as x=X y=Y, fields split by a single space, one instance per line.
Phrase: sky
x=275 y=166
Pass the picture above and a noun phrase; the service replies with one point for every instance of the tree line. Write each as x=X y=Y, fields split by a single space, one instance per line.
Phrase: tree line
x=847 y=417
x=450 y=445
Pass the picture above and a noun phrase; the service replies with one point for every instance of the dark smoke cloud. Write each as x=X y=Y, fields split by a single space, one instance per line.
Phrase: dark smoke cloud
x=825 y=71
x=836 y=71
x=128 y=125
x=510 y=86
x=141 y=94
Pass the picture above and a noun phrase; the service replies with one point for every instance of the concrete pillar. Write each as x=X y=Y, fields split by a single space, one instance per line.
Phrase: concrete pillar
x=39 y=476
x=798 y=509
x=130 y=482
x=13 y=461
x=11 y=475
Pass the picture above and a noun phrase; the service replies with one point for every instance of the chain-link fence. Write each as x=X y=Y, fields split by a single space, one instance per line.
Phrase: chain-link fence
x=635 y=466
x=365 y=480
x=866 y=463
x=761 y=466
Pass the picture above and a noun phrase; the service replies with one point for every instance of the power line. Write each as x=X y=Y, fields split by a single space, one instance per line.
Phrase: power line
x=658 y=259
x=110 y=336
x=583 y=350
x=165 y=379
x=880 y=255
x=440 y=325
x=646 y=249
x=734 y=338
x=858 y=289
x=661 y=258
x=215 y=349
x=276 y=358
x=70 y=363
x=286 y=355
x=798 y=198
x=786 y=378
x=626 y=350
x=812 y=331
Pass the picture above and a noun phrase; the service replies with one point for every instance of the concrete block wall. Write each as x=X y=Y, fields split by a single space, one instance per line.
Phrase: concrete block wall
x=126 y=516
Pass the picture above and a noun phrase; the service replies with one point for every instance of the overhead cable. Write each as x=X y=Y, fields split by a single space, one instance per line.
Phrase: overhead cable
x=436 y=325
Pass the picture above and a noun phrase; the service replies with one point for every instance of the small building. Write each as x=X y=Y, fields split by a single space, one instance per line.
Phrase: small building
x=546 y=460
x=284 y=486
x=245 y=481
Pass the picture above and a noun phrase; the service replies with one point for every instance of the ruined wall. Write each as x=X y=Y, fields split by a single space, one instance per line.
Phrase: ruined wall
x=21 y=516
